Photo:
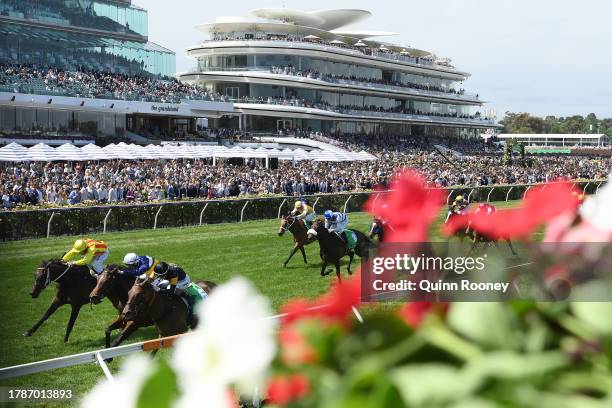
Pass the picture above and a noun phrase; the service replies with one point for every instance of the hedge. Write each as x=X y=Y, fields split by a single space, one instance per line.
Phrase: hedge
x=15 y=225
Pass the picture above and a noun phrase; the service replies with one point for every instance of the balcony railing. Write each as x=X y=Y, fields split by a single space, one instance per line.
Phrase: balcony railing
x=347 y=49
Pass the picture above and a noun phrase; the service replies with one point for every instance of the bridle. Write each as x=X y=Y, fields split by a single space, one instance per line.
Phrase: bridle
x=288 y=227
x=48 y=279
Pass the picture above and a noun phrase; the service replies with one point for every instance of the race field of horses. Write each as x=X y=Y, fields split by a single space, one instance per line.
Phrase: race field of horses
x=211 y=252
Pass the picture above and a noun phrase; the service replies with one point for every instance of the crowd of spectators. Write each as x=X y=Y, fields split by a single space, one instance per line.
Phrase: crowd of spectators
x=94 y=84
x=309 y=73
x=116 y=181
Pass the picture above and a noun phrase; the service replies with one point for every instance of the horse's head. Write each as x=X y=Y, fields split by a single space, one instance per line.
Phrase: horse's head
x=375 y=228
x=45 y=273
x=283 y=225
x=40 y=279
x=105 y=280
x=318 y=227
x=139 y=297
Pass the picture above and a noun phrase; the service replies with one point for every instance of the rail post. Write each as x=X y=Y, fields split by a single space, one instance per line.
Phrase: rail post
x=49 y=224
x=508 y=193
x=280 y=207
x=157 y=215
x=525 y=193
x=315 y=203
x=585 y=187
x=106 y=220
x=489 y=195
x=104 y=367
x=598 y=185
x=449 y=196
x=346 y=202
x=242 y=211
x=202 y=212
x=375 y=199
x=470 y=195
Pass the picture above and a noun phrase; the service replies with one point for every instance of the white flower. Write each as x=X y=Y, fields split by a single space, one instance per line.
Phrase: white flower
x=597 y=209
x=124 y=391
x=234 y=345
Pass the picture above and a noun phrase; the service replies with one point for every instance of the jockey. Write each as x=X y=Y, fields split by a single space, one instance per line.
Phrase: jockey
x=139 y=264
x=169 y=278
x=458 y=205
x=304 y=212
x=92 y=254
x=336 y=221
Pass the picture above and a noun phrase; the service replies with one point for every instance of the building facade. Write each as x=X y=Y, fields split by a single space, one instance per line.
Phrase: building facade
x=291 y=69
x=99 y=35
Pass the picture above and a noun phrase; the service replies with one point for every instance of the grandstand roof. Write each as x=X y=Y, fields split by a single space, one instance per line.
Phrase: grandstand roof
x=550 y=135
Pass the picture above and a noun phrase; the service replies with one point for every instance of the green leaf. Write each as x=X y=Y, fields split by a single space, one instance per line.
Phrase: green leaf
x=432 y=384
x=507 y=365
x=489 y=324
x=160 y=389
x=595 y=314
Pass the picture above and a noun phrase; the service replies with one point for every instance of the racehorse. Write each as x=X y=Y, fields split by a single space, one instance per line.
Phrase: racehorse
x=473 y=235
x=74 y=283
x=299 y=231
x=377 y=230
x=169 y=313
x=333 y=247
x=114 y=284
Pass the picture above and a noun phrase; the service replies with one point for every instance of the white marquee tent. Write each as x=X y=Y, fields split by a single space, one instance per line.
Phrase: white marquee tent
x=68 y=152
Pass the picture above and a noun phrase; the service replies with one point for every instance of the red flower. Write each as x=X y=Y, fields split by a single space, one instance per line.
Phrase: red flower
x=295 y=349
x=282 y=390
x=541 y=204
x=414 y=313
x=409 y=209
x=336 y=305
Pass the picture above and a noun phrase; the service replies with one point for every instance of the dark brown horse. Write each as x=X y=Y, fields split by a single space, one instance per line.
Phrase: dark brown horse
x=74 y=283
x=299 y=231
x=168 y=312
x=115 y=285
x=333 y=247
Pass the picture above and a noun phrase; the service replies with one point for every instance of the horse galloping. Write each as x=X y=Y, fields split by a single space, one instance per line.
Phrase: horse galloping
x=74 y=283
x=299 y=231
x=332 y=247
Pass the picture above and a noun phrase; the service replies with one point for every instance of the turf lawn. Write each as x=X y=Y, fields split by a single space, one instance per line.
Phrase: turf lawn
x=212 y=252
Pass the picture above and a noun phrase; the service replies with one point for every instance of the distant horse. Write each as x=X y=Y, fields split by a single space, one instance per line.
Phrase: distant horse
x=115 y=285
x=473 y=235
x=333 y=247
x=377 y=230
x=300 y=235
x=74 y=284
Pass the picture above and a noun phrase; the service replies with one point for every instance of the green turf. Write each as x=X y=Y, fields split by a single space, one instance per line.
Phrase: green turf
x=212 y=252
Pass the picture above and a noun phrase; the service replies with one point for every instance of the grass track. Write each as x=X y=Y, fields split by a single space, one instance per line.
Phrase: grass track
x=213 y=252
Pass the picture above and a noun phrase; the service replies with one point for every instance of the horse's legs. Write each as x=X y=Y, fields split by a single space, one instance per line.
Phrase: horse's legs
x=323 y=266
x=303 y=253
x=511 y=247
x=129 y=328
x=117 y=323
x=351 y=256
x=73 y=316
x=293 y=251
x=337 y=264
x=52 y=308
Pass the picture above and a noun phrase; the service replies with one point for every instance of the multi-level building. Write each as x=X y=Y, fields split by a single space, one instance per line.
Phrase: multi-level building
x=292 y=69
x=101 y=35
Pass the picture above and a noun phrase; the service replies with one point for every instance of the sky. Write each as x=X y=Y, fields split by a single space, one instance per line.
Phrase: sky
x=545 y=57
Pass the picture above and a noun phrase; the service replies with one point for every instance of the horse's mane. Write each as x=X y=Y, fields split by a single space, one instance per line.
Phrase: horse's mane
x=51 y=261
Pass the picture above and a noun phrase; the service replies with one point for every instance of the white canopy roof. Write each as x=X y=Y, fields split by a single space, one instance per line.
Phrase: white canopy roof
x=68 y=152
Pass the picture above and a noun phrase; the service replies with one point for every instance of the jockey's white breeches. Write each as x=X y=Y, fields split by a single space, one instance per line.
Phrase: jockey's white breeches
x=97 y=263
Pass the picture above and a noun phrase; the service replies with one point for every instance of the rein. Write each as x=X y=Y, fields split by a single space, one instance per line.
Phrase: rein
x=288 y=227
x=48 y=280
